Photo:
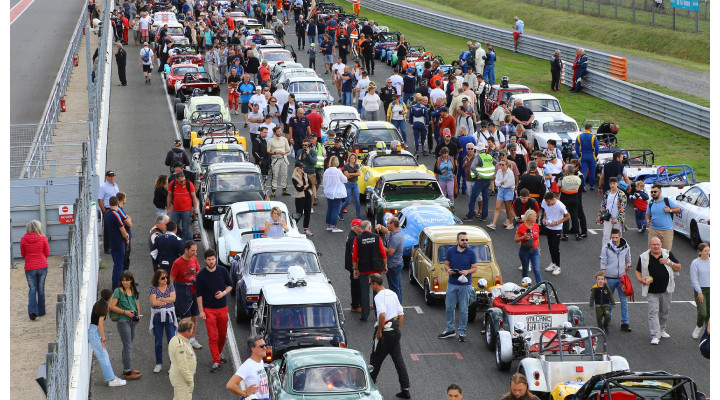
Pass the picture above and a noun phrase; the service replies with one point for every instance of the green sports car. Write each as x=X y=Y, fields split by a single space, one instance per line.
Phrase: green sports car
x=395 y=191
x=321 y=373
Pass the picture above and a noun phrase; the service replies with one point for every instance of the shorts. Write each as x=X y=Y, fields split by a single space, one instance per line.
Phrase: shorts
x=505 y=194
x=318 y=176
x=328 y=58
x=244 y=108
x=144 y=32
x=192 y=312
x=147 y=68
x=516 y=36
x=311 y=178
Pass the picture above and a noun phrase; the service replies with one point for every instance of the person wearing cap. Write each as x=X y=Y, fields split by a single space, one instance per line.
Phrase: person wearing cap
x=480 y=170
x=464 y=119
x=146 y=65
x=108 y=189
x=498 y=115
x=336 y=150
x=312 y=53
x=176 y=155
x=515 y=158
x=355 y=230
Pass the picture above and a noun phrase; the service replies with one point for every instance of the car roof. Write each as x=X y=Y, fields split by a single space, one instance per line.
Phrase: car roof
x=409 y=175
x=705 y=186
x=511 y=86
x=273 y=245
x=225 y=167
x=448 y=233
x=245 y=206
x=312 y=356
x=277 y=294
x=292 y=79
x=339 y=109
x=533 y=96
x=205 y=99
x=373 y=124
x=426 y=209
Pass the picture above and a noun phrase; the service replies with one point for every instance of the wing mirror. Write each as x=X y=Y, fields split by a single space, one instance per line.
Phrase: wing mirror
x=680 y=197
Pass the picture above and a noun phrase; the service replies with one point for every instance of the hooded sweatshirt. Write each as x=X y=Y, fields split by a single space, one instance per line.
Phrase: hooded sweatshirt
x=613 y=259
x=35 y=250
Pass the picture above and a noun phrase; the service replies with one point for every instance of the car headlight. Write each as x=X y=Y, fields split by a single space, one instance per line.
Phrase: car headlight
x=482 y=283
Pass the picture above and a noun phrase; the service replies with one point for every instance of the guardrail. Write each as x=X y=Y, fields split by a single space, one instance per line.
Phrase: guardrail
x=602 y=80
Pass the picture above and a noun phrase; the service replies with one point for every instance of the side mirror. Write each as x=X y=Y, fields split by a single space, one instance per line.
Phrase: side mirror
x=370 y=368
x=319 y=254
x=296 y=217
x=680 y=197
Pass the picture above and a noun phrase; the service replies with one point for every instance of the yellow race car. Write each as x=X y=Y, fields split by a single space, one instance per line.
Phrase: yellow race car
x=213 y=133
x=385 y=160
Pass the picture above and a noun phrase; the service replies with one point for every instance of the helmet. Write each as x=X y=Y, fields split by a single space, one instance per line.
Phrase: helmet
x=510 y=290
x=380 y=146
x=395 y=145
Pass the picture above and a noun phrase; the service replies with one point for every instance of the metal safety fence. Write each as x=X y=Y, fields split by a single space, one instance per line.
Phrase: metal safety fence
x=54 y=158
x=599 y=81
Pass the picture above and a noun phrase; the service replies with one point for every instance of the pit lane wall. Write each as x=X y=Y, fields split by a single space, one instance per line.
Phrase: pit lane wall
x=602 y=78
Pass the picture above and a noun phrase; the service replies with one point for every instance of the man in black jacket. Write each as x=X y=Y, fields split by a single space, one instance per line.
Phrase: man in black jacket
x=157 y=230
x=168 y=246
x=533 y=182
x=176 y=155
x=121 y=60
x=387 y=94
x=368 y=257
x=355 y=230
x=300 y=27
x=259 y=150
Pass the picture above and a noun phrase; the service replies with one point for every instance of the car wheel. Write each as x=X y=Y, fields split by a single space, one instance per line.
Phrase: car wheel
x=490 y=335
x=175 y=100
x=179 y=111
x=406 y=262
x=241 y=314
x=472 y=311
x=411 y=275
x=694 y=235
x=499 y=363
x=429 y=300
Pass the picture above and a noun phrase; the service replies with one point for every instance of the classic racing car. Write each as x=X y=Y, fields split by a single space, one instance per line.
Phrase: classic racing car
x=177 y=74
x=209 y=154
x=638 y=162
x=244 y=221
x=361 y=137
x=502 y=92
x=516 y=312
x=395 y=191
x=414 y=218
x=296 y=314
x=550 y=122
x=228 y=183
x=428 y=260
x=671 y=178
x=385 y=41
x=184 y=54
x=224 y=132
x=199 y=111
x=627 y=385
x=331 y=113
x=309 y=90
x=323 y=373
x=560 y=354
x=380 y=162
x=193 y=85
x=264 y=261
x=282 y=74
x=693 y=220
x=276 y=53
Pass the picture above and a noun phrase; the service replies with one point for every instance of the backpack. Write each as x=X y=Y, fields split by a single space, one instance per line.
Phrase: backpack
x=353 y=80
x=174 y=183
x=178 y=157
x=146 y=56
x=626 y=287
x=667 y=203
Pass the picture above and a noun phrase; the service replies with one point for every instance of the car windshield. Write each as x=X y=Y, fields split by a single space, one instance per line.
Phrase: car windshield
x=210 y=157
x=208 y=107
x=184 y=70
x=303 y=316
x=560 y=126
x=254 y=219
x=376 y=135
x=543 y=105
x=307 y=87
x=507 y=94
x=300 y=74
x=344 y=115
x=277 y=56
x=175 y=31
x=237 y=181
x=401 y=160
x=425 y=189
x=328 y=379
x=482 y=252
x=278 y=263
x=235 y=196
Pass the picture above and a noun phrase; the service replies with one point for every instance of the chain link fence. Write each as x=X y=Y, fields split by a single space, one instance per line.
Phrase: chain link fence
x=646 y=12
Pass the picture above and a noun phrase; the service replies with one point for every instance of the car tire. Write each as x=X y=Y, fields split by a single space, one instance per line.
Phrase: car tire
x=411 y=274
x=501 y=365
x=240 y=314
x=472 y=311
x=429 y=300
x=694 y=235
x=171 y=90
x=490 y=334
x=179 y=111
x=175 y=100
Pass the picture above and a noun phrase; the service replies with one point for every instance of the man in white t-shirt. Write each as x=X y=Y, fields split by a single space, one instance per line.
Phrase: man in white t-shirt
x=397 y=82
x=362 y=90
x=281 y=95
x=145 y=27
x=252 y=373
x=269 y=124
x=146 y=61
x=437 y=97
x=554 y=214
x=338 y=69
x=255 y=118
x=259 y=99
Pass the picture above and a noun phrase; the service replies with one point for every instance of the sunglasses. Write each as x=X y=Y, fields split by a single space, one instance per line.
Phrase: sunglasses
x=163 y=277
x=305 y=145
x=262 y=346
x=654 y=191
x=464 y=240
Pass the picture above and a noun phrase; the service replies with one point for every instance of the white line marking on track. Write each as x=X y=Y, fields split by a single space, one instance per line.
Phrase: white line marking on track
x=172 y=112
x=592 y=231
x=234 y=352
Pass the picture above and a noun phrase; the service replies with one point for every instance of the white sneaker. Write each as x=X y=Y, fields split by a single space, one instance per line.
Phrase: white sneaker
x=196 y=344
x=115 y=382
x=697 y=332
x=509 y=227
x=550 y=267
x=664 y=335
x=337 y=230
x=236 y=112
x=655 y=340
x=556 y=271
x=312 y=211
x=158 y=368
x=520 y=268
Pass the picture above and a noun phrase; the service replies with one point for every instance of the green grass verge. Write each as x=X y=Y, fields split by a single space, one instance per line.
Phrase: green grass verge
x=688 y=50
x=671 y=145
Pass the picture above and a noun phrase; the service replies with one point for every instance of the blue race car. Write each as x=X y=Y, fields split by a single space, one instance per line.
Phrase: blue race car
x=414 y=218
x=386 y=41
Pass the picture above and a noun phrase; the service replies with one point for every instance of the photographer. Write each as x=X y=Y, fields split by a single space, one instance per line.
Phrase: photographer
x=125 y=307
x=612 y=211
x=308 y=157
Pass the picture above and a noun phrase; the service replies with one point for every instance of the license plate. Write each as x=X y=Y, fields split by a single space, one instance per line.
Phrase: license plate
x=538 y=322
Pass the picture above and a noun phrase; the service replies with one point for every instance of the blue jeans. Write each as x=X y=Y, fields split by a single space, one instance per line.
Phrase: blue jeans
x=311 y=38
x=101 y=353
x=394 y=278
x=457 y=296
x=36 y=293
x=353 y=193
x=461 y=180
x=158 y=328
x=420 y=134
x=346 y=98
x=126 y=330
x=400 y=124
x=117 y=250
x=480 y=186
x=640 y=219
x=587 y=166
x=530 y=257
x=407 y=97
x=360 y=109
x=333 y=208
x=489 y=74
x=614 y=285
x=183 y=217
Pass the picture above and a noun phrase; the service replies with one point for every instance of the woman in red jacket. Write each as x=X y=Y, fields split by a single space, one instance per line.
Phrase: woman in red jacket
x=35 y=250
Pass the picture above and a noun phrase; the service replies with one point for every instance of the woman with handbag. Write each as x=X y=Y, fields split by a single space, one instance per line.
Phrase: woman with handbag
x=125 y=310
x=612 y=211
x=97 y=338
x=162 y=313
x=528 y=235
x=303 y=195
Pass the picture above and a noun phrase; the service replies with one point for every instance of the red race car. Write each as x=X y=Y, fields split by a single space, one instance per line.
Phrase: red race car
x=177 y=74
x=502 y=92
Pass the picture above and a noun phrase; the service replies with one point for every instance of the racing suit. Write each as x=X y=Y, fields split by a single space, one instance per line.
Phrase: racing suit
x=579 y=72
x=419 y=118
x=588 y=147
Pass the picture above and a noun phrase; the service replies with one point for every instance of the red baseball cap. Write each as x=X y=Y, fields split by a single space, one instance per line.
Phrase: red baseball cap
x=356 y=222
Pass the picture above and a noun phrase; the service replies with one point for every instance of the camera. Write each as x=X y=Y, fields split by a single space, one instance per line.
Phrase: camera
x=605 y=216
x=135 y=316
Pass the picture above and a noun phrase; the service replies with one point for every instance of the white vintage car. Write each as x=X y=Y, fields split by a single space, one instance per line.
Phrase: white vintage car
x=264 y=261
x=693 y=220
x=550 y=122
x=244 y=221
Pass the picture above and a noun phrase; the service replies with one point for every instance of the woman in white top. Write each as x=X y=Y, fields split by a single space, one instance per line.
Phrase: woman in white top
x=372 y=103
x=334 y=184
x=700 y=280
x=357 y=72
x=553 y=168
x=505 y=183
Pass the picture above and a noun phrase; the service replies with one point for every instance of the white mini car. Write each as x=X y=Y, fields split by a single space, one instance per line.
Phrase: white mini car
x=550 y=121
x=245 y=221
x=337 y=112
x=693 y=220
x=265 y=261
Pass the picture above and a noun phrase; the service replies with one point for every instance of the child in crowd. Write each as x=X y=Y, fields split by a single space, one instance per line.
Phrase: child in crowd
x=640 y=201
x=601 y=300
